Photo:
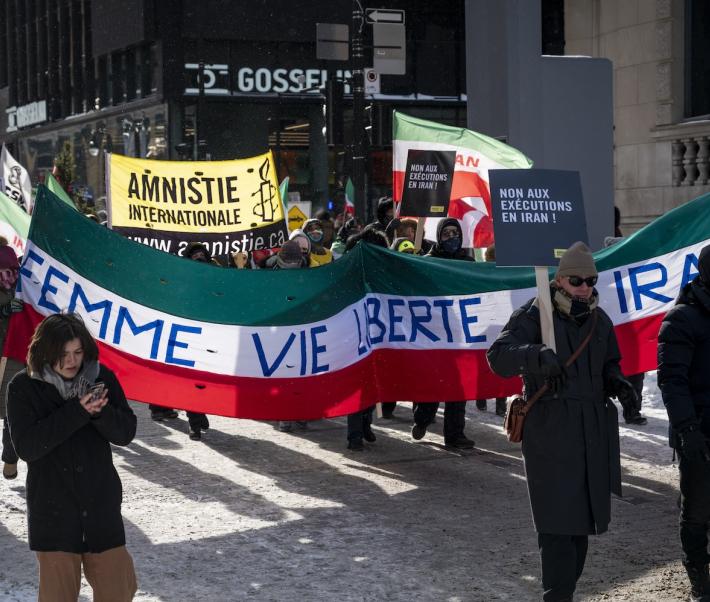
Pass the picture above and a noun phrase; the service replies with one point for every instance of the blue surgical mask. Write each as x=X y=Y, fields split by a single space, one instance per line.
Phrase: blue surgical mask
x=315 y=236
x=451 y=245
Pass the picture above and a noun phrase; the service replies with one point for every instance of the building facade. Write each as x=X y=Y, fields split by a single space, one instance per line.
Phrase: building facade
x=122 y=77
x=659 y=49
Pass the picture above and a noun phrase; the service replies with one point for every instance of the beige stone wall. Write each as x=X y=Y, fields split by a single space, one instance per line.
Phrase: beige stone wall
x=644 y=40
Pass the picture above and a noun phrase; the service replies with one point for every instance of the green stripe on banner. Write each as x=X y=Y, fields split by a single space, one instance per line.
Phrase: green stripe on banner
x=185 y=288
x=680 y=227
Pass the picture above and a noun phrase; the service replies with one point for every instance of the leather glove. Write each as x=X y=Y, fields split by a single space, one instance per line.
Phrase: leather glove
x=624 y=391
x=552 y=368
x=693 y=444
x=16 y=306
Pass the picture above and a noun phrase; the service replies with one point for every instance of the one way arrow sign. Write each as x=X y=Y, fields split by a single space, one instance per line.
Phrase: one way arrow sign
x=384 y=15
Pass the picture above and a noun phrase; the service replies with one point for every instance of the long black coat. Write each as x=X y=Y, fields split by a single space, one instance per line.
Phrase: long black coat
x=570 y=440
x=684 y=358
x=73 y=490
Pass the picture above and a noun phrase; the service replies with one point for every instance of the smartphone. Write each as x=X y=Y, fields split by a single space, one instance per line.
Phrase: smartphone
x=97 y=390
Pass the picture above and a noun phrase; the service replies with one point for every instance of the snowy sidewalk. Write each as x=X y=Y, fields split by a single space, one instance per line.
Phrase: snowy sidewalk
x=251 y=513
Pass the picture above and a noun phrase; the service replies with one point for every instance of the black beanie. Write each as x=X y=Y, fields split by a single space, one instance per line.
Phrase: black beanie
x=704 y=264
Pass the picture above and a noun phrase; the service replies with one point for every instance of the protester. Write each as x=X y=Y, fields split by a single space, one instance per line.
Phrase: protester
x=290 y=257
x=305 y=245
x=684 y=381
x=197 y=421
x=501 y=402
x=401 y=228
x=369 y=234
x=9 y=267
x=633 y=415
x=65 y=412
x=349 y=228
x=449 y=240
x=328 y=225
x=360 y=423
x=384 y=213
x=313 y=229
x=571 y=439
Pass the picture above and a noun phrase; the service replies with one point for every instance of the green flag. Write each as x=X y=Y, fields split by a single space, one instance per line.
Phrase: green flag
x=56 y=188
x=283 y=191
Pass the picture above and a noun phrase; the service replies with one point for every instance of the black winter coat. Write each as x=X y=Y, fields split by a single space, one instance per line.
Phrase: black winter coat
x=684 y=358
x=73 y=490
x=571 y=439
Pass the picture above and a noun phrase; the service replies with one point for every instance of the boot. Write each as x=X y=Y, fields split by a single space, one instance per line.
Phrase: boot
x=699 y=582
x=501 y=406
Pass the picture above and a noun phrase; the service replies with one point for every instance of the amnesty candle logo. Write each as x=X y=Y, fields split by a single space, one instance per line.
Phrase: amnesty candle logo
x=227 y=205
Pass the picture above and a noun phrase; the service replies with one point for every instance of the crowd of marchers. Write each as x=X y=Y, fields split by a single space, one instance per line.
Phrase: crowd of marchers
x=63 y=410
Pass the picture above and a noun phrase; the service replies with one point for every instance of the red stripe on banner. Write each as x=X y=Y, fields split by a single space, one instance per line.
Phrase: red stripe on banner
x=638 y=342
x=385 y=375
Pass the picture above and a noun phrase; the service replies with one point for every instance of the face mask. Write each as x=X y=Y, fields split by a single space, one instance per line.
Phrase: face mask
x=451 y=245
x=579 y=308
x=315 y=236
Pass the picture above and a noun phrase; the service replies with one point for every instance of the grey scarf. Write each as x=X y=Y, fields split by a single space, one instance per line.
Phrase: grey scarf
x=76 y=387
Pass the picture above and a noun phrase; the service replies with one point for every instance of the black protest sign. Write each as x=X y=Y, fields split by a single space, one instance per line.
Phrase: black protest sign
x=537 y=215
x=427 y=183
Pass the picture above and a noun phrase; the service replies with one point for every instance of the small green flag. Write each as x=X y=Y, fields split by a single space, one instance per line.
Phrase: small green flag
x=349 y=197
x=56 y=188
x=283 y=191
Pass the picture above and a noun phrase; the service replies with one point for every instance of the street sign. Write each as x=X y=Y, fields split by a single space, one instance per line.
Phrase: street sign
x=297 y=215
x=390 y=52
x=372 y=81
x=332 y=41
x=384 y=15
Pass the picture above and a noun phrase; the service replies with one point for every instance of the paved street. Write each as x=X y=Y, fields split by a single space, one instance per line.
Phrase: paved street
x=253 y=513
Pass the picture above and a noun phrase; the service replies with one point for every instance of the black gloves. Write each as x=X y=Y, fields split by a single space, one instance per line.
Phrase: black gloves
x=693 y=444
x=552 y=368
x=624 y=391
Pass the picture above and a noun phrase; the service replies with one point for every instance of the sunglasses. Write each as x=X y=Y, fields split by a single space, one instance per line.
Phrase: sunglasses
x=578 y=280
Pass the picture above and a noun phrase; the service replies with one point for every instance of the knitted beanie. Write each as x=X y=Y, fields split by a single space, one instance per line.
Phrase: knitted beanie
x=577 y=261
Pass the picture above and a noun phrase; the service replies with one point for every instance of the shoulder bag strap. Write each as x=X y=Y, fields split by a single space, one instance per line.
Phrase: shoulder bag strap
x=571 y=360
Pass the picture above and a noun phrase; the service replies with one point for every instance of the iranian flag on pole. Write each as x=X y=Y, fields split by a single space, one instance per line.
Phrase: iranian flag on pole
x=14 y=224
x=476 y=154
x=375 y=325
x=349 y=197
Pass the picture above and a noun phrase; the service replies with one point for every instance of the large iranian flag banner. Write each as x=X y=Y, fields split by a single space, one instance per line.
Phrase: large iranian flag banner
x=476 y=154
x=303 y=344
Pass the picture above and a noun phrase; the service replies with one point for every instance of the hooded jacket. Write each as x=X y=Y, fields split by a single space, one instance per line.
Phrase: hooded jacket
x=438 y=251
x=684 y=357
x=384 y=204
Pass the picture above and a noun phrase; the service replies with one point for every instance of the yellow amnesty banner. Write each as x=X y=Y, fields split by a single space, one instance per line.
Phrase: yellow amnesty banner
x=227 y=205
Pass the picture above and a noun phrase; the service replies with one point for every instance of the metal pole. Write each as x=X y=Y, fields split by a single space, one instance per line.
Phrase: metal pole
x=198 y=108
x=358 y=77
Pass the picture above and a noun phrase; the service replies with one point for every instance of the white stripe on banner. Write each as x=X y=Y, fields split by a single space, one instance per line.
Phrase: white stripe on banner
x=422 y=323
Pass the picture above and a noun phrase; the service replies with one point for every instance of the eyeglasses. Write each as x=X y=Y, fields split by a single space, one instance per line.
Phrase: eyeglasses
x=578 y=280
x=8 y=273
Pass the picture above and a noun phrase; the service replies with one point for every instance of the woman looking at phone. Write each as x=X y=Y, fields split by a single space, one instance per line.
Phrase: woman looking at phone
x=62 y=422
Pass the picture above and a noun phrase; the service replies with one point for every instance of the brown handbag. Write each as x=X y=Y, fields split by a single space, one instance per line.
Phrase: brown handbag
x=518 y=408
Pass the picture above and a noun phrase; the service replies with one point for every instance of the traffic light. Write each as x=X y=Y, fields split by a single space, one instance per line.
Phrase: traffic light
x=334 y=93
